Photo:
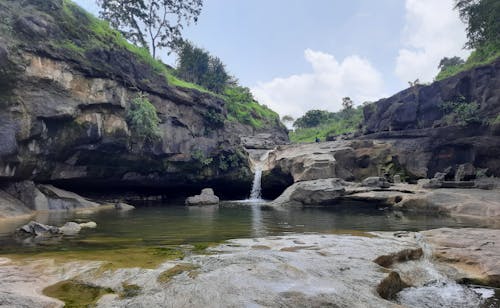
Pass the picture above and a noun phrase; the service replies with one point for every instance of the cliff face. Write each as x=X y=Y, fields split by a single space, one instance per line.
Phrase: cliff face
x=447 y=123
x=64 y=111
x=451 y=124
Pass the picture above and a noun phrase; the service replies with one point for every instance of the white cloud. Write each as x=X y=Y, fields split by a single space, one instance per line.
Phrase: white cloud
x=433 y=30
x=324 y=88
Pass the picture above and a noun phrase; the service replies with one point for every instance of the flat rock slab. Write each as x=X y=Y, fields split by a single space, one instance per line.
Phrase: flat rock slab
x=475 y=253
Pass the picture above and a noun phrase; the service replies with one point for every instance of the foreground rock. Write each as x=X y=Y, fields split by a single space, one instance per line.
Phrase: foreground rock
x=474 y=253
x=292 y=271
x=207 y=197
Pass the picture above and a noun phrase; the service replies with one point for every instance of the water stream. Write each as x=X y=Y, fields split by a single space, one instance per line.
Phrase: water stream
x=434 y=289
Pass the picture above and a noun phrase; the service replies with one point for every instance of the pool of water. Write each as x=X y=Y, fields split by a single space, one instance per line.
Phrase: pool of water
x=175 y=224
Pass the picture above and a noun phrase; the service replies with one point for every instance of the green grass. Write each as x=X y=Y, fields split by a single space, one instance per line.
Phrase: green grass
x=85 y=32
x=339 y=124
x=243 y=108
x=482 y=56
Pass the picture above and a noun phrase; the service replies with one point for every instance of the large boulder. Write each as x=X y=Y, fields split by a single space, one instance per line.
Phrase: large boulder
x=315 y=192
x=59 y=199
x=207 y=197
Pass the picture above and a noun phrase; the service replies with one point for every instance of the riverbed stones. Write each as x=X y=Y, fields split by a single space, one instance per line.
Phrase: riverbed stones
x=207 y=197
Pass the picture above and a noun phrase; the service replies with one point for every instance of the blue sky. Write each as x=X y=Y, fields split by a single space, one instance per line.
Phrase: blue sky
x=298 y=55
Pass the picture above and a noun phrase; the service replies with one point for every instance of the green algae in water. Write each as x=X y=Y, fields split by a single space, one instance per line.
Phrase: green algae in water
x=130 y=290
x=144 y=257
x=178 y=269
x=76 y=294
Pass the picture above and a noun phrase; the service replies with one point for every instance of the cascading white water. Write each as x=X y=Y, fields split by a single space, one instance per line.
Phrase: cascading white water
x=434 y=289
x=255 y=194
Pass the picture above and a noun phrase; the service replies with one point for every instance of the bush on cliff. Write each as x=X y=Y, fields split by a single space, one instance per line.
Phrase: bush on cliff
x=142 y=118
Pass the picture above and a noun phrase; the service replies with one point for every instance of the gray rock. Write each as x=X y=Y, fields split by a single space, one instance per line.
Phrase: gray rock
x=465 y=172
x=34 y=228
x=396 y=179
x=207 y=197
x=315 y=192
x=121 y=206
x=89 y=225
x=70 y=228
x=376 y=181
x=59 y=199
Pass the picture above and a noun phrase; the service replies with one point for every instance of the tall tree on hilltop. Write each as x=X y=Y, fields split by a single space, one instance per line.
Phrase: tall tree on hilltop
x=483 y=21
x=152 y=24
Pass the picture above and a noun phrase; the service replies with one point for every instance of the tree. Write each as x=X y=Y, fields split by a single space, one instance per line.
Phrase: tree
x=196 y=65
x=347 y=103
x=483 y=21
x=287 y=119
x=152 y=24
x=449 y=62
x=312 y=118
x=192 y=62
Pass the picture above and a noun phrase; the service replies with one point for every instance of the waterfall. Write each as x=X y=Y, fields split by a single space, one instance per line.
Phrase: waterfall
x=255 y=194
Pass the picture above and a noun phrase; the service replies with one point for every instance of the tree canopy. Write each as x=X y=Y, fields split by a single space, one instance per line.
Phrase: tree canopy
x=196 y=65
x=483 y=21
x=151 y=24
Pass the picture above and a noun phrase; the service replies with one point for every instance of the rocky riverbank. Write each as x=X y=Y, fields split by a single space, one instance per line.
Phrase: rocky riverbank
x=292 y=270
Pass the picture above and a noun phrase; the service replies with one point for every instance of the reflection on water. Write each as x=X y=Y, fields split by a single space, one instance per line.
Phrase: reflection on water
x=162 y=224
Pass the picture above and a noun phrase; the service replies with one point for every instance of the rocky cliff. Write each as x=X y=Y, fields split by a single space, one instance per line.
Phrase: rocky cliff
x=448 y=125
x=66 y=86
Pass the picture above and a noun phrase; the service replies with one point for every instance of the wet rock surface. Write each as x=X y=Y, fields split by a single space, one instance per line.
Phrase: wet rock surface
x=474 y=253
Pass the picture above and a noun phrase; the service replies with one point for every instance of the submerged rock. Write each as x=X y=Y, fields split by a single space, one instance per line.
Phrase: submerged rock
x=121 y=206
x=34 y=228
x=207 y=197
x=70 y=228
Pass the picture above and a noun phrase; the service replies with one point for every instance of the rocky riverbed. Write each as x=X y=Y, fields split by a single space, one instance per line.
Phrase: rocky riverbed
x=291 y=270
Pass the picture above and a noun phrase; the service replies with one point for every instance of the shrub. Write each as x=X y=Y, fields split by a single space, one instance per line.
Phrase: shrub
x=460 y=111
x=142 y=118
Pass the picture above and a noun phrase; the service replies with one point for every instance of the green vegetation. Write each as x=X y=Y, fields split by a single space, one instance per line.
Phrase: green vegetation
x=130 y=290
x=460 y=112
x=144 y=257
x=482 y=18
x=143 y=119
x=198 y=66
x=324 y=124
x=83 y=33
x=481 y=56
x=158 y=22
x=178 y=269
x=243 y=108
x=76 y=294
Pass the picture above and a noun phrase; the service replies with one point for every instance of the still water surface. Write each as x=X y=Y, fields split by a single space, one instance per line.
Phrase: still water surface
x=176 y=224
